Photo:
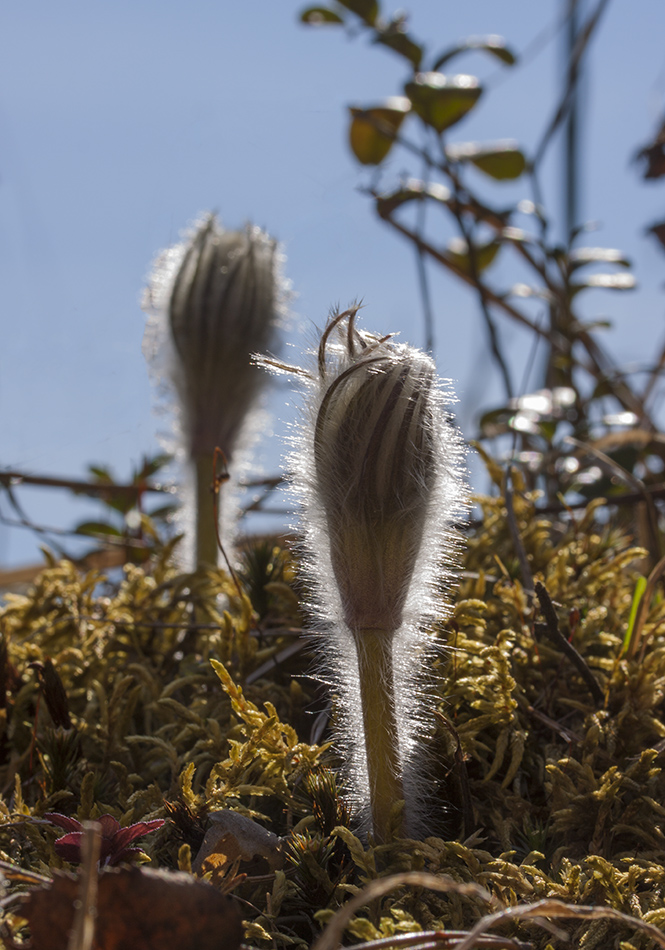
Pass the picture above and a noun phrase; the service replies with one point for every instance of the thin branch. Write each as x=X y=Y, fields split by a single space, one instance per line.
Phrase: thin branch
x=525 y=569
x=628 y=498
x=633 y=482
x=600 y=366
x=551 y=626
x=655 y=372
x=425 y=295
x=475 y=277
x=563 y=108
x=489 y=294
x=9 y=477
x=108 y=540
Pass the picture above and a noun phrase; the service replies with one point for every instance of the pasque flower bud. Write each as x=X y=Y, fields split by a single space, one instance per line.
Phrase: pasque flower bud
x=216 y=296
x=374 y=459
x=378 y=474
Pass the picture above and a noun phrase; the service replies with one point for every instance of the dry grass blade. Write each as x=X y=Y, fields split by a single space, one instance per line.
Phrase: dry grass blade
x=555 y=908
x=441 y=940
x=331 y=937
x=83 y=931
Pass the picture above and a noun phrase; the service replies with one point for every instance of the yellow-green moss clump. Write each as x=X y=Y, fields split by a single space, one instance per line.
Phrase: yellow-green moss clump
x=183 y=698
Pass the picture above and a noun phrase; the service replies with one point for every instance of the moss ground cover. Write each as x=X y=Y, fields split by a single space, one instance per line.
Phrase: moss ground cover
x=172 y=696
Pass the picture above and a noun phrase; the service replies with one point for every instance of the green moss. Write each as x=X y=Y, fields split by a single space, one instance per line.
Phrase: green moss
x=178 y=711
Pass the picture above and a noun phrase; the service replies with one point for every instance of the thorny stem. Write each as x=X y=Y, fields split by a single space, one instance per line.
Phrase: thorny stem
x=206 y=535
x=377 y=694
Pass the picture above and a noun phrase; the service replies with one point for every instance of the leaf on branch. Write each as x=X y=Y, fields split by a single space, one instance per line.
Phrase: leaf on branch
x=367 y=10
x=397 y=39
x=526 y=290
x=517 y=235
x=653 y=156
x=495 y=422
x=320 y=16
x=494 y=45
x=483 y=255
x=372 y=131
x=607 y=282
x=440 y=100
x=591 y=255
x=97 y=527
x=502 y=160
x=151 y=466
x=412 y=190
x=658 y=231
x=101 y=474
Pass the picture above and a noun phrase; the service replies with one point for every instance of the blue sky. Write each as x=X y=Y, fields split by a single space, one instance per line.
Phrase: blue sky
x=121 y=122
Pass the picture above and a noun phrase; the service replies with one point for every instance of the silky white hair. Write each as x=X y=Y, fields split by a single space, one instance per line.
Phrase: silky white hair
x=377 y=462
x=211 y=300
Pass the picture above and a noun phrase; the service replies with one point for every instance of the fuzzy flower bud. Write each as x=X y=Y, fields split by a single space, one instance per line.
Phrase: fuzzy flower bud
x=374 y=453
x=222 y=307
x=378 y=474
x=216 y=299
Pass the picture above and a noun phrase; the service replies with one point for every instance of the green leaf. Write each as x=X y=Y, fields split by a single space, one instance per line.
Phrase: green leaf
x=320 y=16
x=502 y=161
x=458 y=252
x=397 y=39
x=101 y=474
x=97 y=527
x=592 y=255
x=547 y=428
x=367 y=10
x=640 y=587
x=440 y=100
x=372 y=131
x=164 y=511
x=494 y=45
x=151 y=465
x=496 y=422
x=412 y=190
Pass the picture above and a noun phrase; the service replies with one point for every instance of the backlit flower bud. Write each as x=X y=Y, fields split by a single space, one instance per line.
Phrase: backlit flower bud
x=216 y=298
x=374 y=457
x=378 y=474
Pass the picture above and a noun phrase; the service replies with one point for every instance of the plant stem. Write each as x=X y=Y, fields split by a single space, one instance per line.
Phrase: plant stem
x=206 y=536
x=377 y=694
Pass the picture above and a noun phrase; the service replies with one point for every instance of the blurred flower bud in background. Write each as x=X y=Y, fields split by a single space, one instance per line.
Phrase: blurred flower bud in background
x=214 y=300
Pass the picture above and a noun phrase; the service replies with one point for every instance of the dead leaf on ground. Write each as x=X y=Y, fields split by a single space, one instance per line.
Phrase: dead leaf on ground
x=153 y=910
x=232 y=836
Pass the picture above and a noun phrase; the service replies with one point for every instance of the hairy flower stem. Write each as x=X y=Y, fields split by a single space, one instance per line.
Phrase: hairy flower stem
x=206 y=535
x=377 y=693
